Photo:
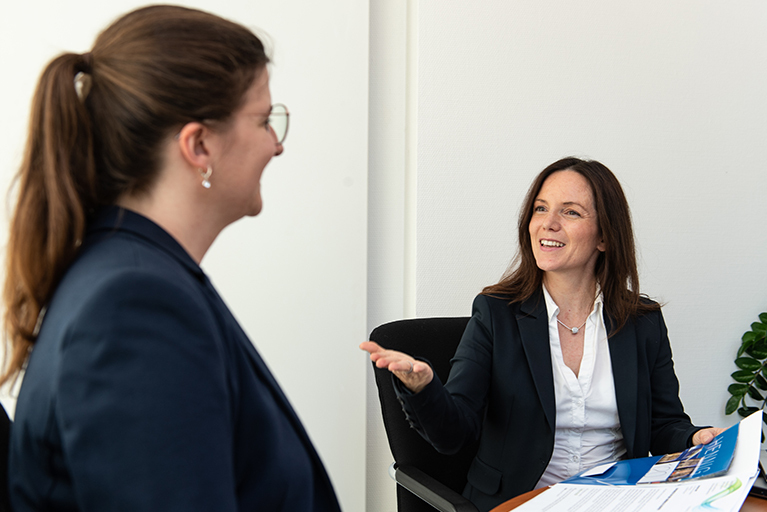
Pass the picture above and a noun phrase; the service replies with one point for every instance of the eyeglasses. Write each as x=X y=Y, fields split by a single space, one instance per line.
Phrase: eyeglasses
x=278 y=121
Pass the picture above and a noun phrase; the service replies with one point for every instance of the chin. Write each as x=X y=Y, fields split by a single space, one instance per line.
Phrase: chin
x=256 y=207
x=255 y=211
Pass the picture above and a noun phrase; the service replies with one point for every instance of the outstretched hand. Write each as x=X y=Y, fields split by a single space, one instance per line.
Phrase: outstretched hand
x=706 y=435
x=414 y=374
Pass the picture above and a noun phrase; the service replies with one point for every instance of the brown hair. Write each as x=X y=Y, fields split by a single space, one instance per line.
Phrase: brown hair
x=616 y=268
x=150 y=72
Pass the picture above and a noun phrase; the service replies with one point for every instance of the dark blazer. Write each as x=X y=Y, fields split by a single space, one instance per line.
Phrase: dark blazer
x=143 y=393
x=501 y=389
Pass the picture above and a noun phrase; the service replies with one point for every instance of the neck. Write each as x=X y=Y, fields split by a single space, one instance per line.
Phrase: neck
x=574 y=297
x=179 y=217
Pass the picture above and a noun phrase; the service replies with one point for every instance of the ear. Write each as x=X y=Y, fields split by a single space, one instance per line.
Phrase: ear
x=192 y=143
x=601 y=246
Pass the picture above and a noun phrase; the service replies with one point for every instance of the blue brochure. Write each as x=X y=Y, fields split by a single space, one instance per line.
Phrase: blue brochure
x=703 y=460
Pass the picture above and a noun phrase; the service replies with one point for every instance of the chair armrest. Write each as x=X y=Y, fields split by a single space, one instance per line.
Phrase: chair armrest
x=431 y=491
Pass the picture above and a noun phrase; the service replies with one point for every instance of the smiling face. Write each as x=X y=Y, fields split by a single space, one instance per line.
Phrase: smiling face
x=564 y=231
x=245 y=145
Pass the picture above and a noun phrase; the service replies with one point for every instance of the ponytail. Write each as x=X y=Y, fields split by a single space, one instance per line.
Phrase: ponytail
x=55 y=182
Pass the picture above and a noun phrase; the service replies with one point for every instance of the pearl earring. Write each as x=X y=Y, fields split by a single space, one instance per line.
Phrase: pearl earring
x=205 y=176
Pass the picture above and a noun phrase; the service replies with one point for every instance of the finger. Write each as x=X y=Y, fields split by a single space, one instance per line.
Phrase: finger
x=705 y=436
x=370 y=346
x=405 y=366
x=392 y=361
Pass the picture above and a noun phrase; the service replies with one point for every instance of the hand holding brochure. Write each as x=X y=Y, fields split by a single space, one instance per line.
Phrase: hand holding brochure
x=703 y=460
x=617 y=488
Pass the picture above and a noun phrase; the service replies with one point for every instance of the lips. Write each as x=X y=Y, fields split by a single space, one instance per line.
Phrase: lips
x=551 y=243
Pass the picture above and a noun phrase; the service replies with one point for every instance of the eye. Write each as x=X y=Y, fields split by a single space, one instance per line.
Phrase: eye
x=572 y=213
x=539 y=209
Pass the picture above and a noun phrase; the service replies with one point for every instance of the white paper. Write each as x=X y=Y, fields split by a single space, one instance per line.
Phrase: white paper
x=723 y=493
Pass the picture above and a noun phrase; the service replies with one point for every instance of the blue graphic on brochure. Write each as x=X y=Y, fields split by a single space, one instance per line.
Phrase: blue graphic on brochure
x=703 y=460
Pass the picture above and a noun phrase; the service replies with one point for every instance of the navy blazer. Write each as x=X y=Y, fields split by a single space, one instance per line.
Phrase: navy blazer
x=501 y=389
x=142 y=393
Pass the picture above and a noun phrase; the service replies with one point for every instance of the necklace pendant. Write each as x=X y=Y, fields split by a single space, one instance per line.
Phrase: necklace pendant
x=574 y=330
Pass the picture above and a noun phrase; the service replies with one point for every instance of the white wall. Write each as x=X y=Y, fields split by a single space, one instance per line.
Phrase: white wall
x=295 y=275
x=669 y=95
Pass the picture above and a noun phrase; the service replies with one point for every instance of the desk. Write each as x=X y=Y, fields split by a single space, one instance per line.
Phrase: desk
x=752 y=504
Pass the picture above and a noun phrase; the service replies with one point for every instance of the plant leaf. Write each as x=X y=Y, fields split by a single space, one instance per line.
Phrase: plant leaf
x=754 y=393
x=743 y=376
x=732 y=405
x=759 y=328
x=763 y=317
x=758 y=349
x=747 y=411
x=748 y=363
x=747 y=340
x=738 y=389
x=761 y=382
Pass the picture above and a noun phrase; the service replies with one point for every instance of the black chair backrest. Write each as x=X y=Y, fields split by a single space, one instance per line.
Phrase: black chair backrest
x=5 y=434
x=434 y=339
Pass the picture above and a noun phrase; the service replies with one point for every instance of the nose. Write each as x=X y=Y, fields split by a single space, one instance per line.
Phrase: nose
x=278 y=149
x=550 y=222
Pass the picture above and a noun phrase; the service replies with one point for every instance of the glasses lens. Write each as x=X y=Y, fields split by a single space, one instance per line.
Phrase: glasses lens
x=278 y=120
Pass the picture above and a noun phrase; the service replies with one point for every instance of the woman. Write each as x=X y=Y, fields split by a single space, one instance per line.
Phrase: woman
x=141 y=391
x=563 y=364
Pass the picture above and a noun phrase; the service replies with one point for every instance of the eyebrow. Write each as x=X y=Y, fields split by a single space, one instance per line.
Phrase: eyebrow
x=566 y=203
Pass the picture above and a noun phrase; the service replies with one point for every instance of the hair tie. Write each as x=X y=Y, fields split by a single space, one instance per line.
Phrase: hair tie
x=83 y=83
x=83 y=79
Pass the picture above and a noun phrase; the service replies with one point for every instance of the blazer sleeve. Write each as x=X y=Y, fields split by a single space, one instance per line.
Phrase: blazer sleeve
x=671 y=428
x=450 y=416
x=143 y=405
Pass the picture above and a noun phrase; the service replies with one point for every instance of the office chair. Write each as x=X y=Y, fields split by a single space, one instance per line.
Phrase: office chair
x=427 y=479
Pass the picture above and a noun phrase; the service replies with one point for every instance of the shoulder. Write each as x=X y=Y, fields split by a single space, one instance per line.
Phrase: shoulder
x=494 y=302
x=498 y=313
x=126 y=264
x=506 y=305
x=648 y=327
x=648 y=312
x=114 y=290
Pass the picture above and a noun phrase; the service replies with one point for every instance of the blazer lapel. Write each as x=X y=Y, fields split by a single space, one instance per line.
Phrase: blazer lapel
x=260 y=368
x=534 y=332
x=623 y=356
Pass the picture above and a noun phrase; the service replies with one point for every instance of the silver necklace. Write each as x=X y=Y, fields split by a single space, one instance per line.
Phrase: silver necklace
x=573 y=330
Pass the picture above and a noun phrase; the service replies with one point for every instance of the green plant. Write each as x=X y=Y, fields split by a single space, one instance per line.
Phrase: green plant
x=751 y=378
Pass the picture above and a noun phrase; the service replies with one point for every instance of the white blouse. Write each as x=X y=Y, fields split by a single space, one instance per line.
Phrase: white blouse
x=588 y=430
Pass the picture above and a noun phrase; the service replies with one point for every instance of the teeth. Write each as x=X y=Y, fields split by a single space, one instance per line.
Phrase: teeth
x=552 y=243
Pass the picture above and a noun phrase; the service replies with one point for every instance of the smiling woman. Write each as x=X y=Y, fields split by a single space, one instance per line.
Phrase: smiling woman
x=563 y=364
x=141 y=391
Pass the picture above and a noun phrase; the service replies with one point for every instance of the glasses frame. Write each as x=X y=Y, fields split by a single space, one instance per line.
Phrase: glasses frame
x=273 y=122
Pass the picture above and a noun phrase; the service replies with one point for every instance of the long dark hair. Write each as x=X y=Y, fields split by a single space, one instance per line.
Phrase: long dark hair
x=149 y=73
x=616 y=268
